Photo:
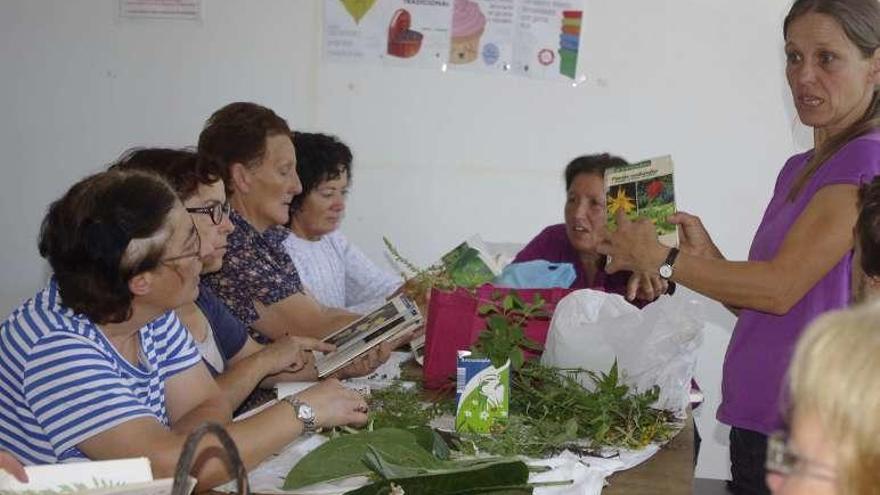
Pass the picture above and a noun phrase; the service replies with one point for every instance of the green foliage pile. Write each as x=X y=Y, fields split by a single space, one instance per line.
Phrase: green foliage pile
x=397 y=407
x=555 y=410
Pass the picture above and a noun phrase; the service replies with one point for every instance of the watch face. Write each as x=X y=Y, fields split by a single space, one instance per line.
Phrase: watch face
x=665 y=271
x=305 y=412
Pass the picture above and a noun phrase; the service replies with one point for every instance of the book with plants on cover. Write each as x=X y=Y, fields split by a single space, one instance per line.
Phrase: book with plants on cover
x=643 y=190
x=396 y=317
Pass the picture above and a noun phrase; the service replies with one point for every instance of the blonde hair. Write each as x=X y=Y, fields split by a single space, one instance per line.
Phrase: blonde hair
x=835 y=375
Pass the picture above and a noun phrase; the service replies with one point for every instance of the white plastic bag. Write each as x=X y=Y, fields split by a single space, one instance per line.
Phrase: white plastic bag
x=653 y=346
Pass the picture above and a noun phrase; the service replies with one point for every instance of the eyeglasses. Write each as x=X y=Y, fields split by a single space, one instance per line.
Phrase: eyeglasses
x=217 y=211
x=781 y=459
x=195 y=254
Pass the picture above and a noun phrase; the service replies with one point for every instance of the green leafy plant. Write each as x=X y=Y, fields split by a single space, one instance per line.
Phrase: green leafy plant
x=504 y=337
x=460 y=268
x=419 y=281
x=342 y=457
x=609 y=415
x=398 y=407
x=504 y=475
x=550 y=411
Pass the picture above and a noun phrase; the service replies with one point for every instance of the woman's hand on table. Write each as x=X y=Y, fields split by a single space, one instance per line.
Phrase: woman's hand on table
x=11 y=465
x=334 y=404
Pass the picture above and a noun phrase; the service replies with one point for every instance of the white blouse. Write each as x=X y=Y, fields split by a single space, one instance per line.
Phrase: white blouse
x=338 y=274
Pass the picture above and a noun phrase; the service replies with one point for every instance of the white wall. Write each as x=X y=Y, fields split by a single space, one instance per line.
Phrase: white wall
x=438 y=155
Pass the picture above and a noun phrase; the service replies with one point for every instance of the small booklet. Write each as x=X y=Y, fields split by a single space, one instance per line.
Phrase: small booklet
x=470 y=264
x=115 y=477
x=644 y=189
x=394 y=318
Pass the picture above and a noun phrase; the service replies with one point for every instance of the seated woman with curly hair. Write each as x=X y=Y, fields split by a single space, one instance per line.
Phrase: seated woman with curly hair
x=335 y=272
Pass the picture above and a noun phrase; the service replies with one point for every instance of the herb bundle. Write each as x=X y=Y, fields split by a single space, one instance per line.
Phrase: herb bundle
x=549 y=411
x=504 y=337
x=397 y=407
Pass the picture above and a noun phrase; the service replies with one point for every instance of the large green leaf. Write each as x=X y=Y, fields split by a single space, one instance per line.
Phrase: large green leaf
x=342 y=457
x=498 y=475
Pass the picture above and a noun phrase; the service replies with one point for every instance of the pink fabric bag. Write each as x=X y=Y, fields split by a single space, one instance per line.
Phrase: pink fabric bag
x=454 y=324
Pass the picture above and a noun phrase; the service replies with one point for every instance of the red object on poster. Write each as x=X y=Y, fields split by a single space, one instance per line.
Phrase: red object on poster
x=403 y=42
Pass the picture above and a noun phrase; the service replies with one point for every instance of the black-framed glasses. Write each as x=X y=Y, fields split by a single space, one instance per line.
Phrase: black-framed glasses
x=217 y=211
x=195 y=254
x=781 y=459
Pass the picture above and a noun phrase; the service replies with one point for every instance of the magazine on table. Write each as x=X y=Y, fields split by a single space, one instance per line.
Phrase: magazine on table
x=113 y=477
x=471 y=263
x=396 y=317
x=643 y=190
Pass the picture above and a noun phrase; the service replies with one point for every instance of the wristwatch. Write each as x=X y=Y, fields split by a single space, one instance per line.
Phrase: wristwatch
x=304 y=413
x=666 y=268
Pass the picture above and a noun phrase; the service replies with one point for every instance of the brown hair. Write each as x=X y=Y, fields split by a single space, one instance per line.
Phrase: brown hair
x=184 y=169
x=860 y=21
x=237 y=134
x=106 y=229
x=868 y=227
x=591 y=165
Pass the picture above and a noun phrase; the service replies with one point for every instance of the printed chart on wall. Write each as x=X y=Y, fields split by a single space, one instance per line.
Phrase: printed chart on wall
x=548 y=39
x=530 y=38
x=410 y=33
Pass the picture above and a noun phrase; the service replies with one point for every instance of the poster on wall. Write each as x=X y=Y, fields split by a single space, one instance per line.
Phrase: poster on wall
x=482 y=34
x=548 y=39
x=531 y=38
x=188 y=10
x=408 y=33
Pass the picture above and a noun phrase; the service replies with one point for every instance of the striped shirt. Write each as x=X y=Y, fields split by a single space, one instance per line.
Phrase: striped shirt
x=62 y=381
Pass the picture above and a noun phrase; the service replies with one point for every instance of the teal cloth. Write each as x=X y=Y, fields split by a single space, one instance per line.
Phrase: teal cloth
x=536 y=274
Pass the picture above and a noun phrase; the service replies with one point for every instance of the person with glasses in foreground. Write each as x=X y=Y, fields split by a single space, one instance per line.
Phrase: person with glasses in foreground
x=238 y=363
x=97 y=364
x=831 y=446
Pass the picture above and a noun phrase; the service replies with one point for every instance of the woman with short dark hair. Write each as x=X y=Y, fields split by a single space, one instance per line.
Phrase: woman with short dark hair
x=334 y=271
x=575 y=241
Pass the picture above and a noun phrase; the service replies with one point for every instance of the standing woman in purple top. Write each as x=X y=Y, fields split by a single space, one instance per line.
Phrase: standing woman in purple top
x=800 y=258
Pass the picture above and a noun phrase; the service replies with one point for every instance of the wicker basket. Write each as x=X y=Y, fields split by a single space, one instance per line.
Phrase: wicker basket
x=184 y=464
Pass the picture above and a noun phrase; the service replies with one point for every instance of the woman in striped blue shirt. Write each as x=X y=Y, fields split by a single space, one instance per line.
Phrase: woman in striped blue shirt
x=98 y=366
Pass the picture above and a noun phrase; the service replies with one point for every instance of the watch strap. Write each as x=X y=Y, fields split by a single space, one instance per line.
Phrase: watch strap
x=309 y=424
x=670 y=258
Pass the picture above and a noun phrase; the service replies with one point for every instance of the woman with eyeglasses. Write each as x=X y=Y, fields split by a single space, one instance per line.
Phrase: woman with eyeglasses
x=832 y=446
x=98 y=366
x=237 y=362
